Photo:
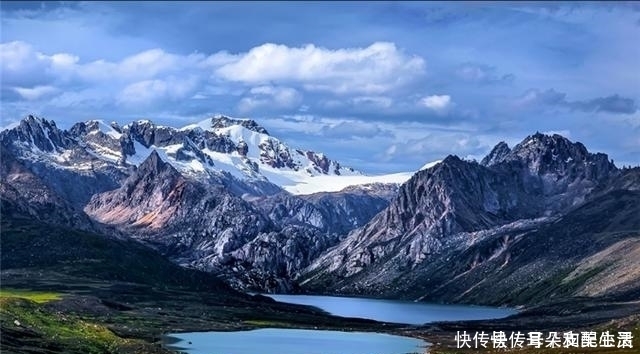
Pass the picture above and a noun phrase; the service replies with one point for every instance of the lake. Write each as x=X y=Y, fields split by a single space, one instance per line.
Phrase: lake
x=297 y=341
x=407 y=312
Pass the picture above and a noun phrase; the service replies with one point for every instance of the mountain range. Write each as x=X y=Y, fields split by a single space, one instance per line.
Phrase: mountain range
x=544 y=219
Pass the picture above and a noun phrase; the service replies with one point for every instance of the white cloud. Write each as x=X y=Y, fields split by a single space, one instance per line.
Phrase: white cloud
x=409 y=143
x=438 y=103
x=267 y=76
x=564 y=132
x=284 y=96
x=15 y=55
x=148 y=64
x=270 y=96
x=63 y=61
x=22 y=65
x=36 y=92
x=149 y=91
x=377 y=68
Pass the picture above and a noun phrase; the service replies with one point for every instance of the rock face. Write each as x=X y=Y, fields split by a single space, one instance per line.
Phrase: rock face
x=206 y=226
x=42 y=134
x=580 y=253
x=453 y=204
x=457 y=231
x=332 y=213
x=24 y=193
x=65 y=165
x=220 y=121
x=175 y=190
x=181 y=215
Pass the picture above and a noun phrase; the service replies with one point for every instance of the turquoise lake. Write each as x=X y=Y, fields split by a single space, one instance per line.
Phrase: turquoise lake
x=297 y=341
x=396 y=311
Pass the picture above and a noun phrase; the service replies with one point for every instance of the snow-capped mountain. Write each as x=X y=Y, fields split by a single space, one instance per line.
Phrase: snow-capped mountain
x=227 y=148
x=206 y=195
x=220 y=195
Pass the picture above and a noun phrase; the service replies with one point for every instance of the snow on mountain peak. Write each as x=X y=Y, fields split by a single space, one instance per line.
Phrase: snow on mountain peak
x=96 y=125
x=430 y=164
x=221 y=121
x=219 y=146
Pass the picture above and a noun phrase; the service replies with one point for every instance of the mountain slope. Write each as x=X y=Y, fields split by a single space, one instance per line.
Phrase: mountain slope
x=185 y=216
x=454 y=205
x=63 y=164
x=30 y=195
x=328 y=212
x=75 y=292
x=205 y=226
x=185 y=191
x=84 y=254
x=591 y=251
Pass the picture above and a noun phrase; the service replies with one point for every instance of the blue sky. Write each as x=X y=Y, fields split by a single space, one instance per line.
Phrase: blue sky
x=382 y=87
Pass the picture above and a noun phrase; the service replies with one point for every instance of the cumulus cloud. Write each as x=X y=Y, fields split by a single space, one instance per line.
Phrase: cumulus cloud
x=22 y=65
x=377 y=68
x=611 y=104
x=21 y=62
x=268 y=76
x=273 y=96
x=36 y=92
x=354 y=129
x=437 y=103
x=150 y=91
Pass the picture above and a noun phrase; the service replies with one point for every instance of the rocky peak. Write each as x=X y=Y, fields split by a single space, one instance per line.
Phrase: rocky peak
x=497 y=154
x=543 y=154
x=81 y=129
x=540 y=146
x=147 y=133
x=243 y=148
x=221 y=121
x=154 y=164
x=44 y=134
x=116 y=126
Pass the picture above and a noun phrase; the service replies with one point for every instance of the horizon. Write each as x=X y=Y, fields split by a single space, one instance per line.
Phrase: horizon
x=407 y=86
x=366 y=173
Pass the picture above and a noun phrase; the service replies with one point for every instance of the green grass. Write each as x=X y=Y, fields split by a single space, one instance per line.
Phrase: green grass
x=49 y=328
x=35 y=296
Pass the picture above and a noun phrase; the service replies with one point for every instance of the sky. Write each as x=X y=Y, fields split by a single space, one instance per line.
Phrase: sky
x=381 y=86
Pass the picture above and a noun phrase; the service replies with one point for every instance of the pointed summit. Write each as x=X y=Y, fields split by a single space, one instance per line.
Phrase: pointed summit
x=221 y=121
x=154 y=164
x=497 y=154
x=42 y=134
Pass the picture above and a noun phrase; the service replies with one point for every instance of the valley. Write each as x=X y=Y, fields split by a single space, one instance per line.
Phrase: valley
x=114 y=236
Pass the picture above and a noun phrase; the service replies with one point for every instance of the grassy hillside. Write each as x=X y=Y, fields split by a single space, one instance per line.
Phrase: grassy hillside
x=30 y=244
x=69 y=291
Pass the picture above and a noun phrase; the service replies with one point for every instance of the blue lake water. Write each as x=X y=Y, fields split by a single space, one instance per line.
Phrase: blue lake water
x=296 y=341
x=407 y=312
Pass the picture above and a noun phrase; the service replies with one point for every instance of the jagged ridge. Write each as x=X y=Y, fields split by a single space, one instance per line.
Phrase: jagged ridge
x=447 y=206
